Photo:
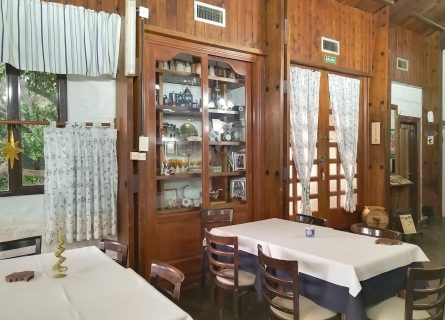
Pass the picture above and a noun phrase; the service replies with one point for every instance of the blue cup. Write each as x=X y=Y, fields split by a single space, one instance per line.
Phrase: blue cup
x=310 y=231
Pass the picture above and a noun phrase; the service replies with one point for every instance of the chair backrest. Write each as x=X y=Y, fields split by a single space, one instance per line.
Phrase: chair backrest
x=360 y=228
x=275 y=282
x=311 y=220
x=173 y=275
x=216 y=218
x=35 y=241
x=222 y=254
x=433 y=296
x=120 y=249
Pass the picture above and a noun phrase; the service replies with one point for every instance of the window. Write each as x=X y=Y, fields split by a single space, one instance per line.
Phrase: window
x=28 y=100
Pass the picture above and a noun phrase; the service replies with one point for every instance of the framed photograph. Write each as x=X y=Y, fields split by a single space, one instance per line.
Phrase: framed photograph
x=238 y=188
x=239 y=161
x=170 y=198
x=170 y=148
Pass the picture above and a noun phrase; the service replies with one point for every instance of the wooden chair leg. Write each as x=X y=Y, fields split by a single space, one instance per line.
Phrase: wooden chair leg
x=235 y=304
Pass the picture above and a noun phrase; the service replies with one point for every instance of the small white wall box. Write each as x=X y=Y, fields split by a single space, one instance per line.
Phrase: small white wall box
x=330 y=46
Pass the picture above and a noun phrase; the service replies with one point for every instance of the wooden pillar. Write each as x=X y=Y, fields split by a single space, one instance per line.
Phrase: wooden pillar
x=273 y=127
x=377 y=168
x=431 y=152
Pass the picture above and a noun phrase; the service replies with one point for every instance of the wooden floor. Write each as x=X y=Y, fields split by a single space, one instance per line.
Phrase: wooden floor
x=195 y=300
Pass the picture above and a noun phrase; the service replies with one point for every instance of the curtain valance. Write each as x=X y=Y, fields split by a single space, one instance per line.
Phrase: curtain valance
x=56 y=38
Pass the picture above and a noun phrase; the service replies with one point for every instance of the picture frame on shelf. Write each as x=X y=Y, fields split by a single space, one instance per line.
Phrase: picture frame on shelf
x=239 y=161
x=170 y=148
x=238 y=188
x=170 y=198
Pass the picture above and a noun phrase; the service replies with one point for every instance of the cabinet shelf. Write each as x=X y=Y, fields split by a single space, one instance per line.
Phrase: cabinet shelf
x=179 y=77
x=179 y=111
x=226 y=143
x=178 y=210
x=223 y=111
x=232 y=83
x=227 y=174
x=178 y=176
x=162 y=142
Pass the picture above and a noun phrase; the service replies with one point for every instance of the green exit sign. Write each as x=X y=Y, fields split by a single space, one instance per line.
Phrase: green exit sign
x=330 y=59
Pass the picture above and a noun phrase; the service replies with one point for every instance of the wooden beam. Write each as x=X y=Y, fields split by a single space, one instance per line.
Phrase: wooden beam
x=442 y=40
x=385 y=2
x=401 y=10
x=428 y=22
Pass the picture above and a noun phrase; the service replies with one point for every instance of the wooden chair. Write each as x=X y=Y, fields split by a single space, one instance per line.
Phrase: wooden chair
x=35 y=241
x=432 y=298
x=120 y=249
x=222 y=254
x=173 y=275
x=210 y=219
x=281 y=294
x=303 y=218
x=360 y=228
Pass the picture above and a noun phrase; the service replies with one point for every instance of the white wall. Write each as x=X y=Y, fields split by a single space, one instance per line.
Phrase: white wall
x=408 y=99
x=89 y=99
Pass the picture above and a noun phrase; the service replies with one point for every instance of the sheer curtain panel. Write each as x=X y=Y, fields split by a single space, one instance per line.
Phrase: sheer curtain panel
x=305 y=88
x=80 y=182
x=344 y=94
x=56 y=38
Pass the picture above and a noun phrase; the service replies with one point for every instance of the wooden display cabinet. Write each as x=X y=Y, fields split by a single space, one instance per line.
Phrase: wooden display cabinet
x=198 y=118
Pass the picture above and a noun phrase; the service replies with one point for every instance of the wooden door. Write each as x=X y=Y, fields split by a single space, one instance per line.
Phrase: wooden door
x=408 y=163
x=328 y=184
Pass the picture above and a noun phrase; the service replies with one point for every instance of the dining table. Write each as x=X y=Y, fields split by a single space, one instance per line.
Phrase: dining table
x=339 y=270
x=95 y=287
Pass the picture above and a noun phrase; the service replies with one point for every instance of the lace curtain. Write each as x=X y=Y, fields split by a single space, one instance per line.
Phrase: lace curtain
x=80 y=182
x=305 y=88
x=344 y=95
x=57 y=38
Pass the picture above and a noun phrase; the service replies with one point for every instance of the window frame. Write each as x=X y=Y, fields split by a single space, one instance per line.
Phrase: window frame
x=16 y=187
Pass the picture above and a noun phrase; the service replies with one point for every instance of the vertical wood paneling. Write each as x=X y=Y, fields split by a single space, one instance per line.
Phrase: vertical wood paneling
x=407 y=45
x=352 y=27
x=431 y=156
x=377 y=176
x=171 y=14
x=245 y=21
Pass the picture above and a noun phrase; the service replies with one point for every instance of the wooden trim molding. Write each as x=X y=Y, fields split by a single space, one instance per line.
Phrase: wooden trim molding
x=201 y=40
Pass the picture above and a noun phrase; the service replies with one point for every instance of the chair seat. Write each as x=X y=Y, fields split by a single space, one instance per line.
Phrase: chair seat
x=244 y=278
x=309 y=310
x=393 y=309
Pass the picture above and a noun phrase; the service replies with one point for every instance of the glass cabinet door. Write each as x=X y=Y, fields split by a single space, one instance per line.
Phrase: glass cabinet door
x=178 y=134
x=227 y=134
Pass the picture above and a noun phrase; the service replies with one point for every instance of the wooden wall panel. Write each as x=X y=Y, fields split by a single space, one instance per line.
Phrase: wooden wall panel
x=310 y=20
x=377 y=177
x=244 y=25
x=431 y=154
x=407 y=45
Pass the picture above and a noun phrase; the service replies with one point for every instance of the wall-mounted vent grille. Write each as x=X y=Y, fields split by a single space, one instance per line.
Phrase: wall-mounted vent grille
x=210 y=14
x=402 y=64
x=330 y=45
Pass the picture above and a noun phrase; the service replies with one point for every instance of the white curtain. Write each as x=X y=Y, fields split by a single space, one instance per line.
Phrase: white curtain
x=344 y=95
x=305 y=88
x=80 y=182
x=56 y=38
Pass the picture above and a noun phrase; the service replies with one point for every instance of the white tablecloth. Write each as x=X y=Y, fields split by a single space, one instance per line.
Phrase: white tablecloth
x=96 y=288
x=341 y=258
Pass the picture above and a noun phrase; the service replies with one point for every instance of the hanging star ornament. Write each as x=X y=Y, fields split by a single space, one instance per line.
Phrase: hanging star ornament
x=11 y=149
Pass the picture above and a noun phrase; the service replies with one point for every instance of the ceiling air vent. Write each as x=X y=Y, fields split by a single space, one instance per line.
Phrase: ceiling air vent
x=402 y=64
x=210 y=14
x=330 y=45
